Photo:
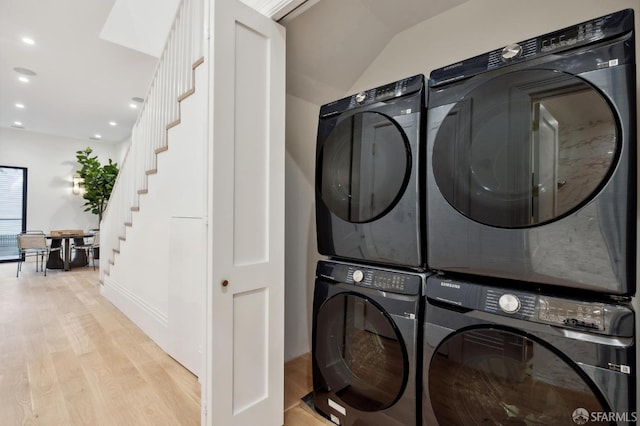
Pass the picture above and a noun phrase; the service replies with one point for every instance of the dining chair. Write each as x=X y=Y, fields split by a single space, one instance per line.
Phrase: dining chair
x=89 y=247
x=34 y=243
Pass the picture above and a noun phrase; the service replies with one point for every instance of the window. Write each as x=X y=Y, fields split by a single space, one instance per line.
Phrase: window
x=13 y=210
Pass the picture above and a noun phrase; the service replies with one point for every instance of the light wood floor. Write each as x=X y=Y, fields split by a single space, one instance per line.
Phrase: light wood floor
x=69 y=357
x=298 y=383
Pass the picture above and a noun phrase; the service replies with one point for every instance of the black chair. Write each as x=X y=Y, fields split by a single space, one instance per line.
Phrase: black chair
x=89 y=247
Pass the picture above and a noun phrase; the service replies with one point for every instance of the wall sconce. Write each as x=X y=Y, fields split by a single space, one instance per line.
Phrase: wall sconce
x=77 y=180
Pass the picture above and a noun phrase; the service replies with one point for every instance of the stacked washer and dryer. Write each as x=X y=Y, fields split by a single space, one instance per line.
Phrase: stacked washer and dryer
x=368 y=299
x=532 y=231
x=482 y=269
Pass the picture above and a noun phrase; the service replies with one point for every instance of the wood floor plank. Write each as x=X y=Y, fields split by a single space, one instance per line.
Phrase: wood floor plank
x=114 y=401
x=78 y=339
x=48 y=401
x=17 y=408
x=177 y=402
x=79 y=401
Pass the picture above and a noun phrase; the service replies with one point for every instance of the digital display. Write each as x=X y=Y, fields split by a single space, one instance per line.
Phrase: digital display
x=589 y=31
x=579 y=315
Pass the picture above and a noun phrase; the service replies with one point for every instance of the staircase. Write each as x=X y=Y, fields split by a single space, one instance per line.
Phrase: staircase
x=172 y=83
x=152 y=233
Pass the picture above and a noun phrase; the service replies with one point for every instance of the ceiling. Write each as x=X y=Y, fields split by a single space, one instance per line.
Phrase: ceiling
x=83 y=81
x=91 y=57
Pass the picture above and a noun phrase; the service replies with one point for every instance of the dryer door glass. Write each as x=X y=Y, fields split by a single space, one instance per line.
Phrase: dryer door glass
x=488 y=376
x=360 y=352
x=365 y=166
x=525 y=148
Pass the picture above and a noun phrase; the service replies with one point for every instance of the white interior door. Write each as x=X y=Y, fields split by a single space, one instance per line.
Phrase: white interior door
x=245 y=305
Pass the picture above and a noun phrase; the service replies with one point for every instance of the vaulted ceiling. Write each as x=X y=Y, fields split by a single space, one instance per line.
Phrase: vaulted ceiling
x=333 y=42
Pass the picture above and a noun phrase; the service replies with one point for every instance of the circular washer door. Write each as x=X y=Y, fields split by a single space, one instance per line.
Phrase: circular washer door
x=360 y=353
x=492 y=377
x=364 y=166
x=526 y=148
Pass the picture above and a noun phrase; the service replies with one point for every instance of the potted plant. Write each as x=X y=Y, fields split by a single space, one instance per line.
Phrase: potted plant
x=97 y=180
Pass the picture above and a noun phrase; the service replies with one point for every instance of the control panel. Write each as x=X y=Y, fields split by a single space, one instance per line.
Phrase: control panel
x=374 y=278
x=387 y=92
x=379 y=93
x=582 y=34
x=589 y=316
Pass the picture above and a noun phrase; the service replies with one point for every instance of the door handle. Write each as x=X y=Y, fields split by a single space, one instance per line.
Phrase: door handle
x=225 y=283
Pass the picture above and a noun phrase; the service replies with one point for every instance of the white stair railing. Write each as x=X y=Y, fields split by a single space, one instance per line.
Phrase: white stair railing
x=172 y=80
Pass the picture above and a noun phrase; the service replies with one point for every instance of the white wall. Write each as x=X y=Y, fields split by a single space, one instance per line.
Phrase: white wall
x=470 y=29
x=477 y=27
x=300 y=230
x=51 y=163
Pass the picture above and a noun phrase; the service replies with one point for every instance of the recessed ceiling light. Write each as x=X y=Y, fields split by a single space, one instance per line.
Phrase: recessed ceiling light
x=24 y=71
x=17 y=123
x=138 y=100
x=133 y=106
x=97 y=136
x=113 y=123
x=23 y=79
x=20 y=106
x=28 y=40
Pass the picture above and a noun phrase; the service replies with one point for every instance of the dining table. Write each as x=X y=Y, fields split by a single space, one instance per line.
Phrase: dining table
x=64 y=239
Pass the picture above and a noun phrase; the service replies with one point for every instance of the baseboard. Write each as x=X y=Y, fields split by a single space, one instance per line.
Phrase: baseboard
x=152 y=321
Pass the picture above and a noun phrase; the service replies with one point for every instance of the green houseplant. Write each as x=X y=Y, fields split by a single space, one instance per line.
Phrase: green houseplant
x=97 y=181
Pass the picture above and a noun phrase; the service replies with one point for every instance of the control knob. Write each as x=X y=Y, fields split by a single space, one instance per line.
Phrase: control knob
x=509 y=303
x=360 y=97
x=511 y=51
x=358 y=275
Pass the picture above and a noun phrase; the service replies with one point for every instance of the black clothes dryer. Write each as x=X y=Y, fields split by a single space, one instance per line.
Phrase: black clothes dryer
x=368 y=178
x=532 y=160
x=366 y=344
x=496 y=355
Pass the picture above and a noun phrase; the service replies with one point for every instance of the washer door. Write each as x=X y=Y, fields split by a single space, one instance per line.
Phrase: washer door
x=526 y=148
x=360 y=353
x=490 y=376
x=364 y=166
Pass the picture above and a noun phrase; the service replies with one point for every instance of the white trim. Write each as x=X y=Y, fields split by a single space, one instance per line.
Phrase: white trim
x=151 y=320
x=276 y=9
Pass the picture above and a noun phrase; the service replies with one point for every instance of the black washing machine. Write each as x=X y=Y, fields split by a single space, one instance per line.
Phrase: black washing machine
x=368 y=176
x=366 y=344
x=532 y=160
x=495 y=355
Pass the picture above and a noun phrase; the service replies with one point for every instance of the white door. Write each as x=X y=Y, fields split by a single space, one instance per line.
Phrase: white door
x=245 y=303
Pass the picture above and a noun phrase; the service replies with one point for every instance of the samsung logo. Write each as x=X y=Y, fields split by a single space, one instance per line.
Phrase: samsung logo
x=450 y=285
x=450 y=67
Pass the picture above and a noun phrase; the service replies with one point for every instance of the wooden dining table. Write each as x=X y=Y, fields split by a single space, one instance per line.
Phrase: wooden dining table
x=63 y=240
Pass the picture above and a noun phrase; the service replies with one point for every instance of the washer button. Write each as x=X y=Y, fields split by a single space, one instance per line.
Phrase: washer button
x=358 y=275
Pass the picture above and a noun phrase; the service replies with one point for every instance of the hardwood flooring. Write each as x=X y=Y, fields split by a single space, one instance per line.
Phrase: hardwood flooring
x=69 y=357
x=298 y=383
